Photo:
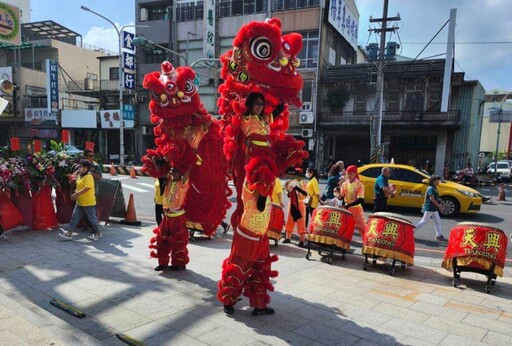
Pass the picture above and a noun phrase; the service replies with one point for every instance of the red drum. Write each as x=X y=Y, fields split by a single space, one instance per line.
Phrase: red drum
x=276 y=223
x=478 y=246
x=331 y=226
x=391 y=236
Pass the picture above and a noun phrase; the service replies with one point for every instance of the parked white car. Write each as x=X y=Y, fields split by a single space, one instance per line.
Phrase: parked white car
x=504 y=169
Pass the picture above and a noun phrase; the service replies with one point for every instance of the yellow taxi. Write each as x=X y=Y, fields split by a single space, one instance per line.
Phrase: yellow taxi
x=411 y=185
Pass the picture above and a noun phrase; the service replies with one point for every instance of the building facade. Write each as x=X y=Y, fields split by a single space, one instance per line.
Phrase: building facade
x=414 y=129
x=27 y=116
x=321 y=28
x=493 y=100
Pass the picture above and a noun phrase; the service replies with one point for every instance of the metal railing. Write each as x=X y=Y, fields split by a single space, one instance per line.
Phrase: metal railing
x=452 y=116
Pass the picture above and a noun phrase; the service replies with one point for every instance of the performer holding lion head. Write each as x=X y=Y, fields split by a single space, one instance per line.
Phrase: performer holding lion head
x=189 y=154
x=260 y=78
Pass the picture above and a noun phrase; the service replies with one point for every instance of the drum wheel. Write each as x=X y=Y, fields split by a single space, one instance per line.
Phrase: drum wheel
x=276 y=242
x=374 y=261
x=308 y=256
x=403 y=266
x=487 y=288
x=455 y=282
x=365 y=266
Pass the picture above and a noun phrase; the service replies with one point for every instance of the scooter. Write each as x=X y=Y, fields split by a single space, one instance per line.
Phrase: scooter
x=461 y=178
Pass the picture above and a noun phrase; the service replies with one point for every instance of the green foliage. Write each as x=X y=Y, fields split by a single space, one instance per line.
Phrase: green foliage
x=336 y=97
x=58 y=147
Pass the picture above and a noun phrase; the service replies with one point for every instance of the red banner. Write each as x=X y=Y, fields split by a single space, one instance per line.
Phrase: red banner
x=331 y=226
x=37 y=145
x=89 y=145
x=65 y=136
x=390 y=238
x=15 y=143
x=476 y=245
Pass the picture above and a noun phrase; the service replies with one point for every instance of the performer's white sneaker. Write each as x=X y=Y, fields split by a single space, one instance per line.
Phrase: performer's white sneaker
x=66 y=235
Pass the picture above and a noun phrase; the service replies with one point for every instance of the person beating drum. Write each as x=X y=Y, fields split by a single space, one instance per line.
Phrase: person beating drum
x=352 y=191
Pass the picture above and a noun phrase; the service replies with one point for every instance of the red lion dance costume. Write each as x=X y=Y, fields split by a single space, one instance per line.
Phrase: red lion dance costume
x=189 y=153
x=262 y=61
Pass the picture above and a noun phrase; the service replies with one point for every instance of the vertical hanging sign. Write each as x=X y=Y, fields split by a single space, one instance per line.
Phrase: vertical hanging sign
x=209 y=29
x=52 y=86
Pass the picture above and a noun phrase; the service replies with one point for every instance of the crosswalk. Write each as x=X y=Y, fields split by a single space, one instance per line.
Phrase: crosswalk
x=135 y=185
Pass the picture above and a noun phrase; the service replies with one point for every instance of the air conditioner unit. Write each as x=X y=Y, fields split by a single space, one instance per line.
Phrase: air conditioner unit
x=306 y=106
x=143 y=14
x=306 y=118
x=142 y=99
x=145 y=130
x=307 y=133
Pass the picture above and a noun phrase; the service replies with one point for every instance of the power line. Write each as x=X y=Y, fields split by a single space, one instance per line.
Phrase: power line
x=467 y=42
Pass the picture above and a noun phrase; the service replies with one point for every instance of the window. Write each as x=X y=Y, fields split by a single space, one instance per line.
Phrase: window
x=228 y=8
x=373 y=172
x=113 y=73
x=360 y=104
x=189 y=11
x=393 y=103
x=157 y=13
x=283 y=5
x=414 y=101
x=309 y=54
x=155 y=56
x=434 y=97
x=401 y=174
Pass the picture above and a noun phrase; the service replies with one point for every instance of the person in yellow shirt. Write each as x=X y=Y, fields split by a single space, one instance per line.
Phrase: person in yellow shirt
x=159 y=199
x=277 y=193
x=313 y=190
x=85 y=203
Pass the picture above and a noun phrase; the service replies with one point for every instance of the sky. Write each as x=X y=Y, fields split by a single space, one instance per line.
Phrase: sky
x=478 y=21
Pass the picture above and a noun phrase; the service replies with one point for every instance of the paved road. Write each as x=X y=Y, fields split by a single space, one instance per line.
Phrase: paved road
x=496 y=213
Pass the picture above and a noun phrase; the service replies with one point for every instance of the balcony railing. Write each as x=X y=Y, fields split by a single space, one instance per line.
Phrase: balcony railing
x=451 y=117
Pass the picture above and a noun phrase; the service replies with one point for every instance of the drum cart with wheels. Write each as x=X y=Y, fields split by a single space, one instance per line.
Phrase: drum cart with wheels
x=489 y=273
x=331 y=229
x=326 y=251
x=389 y=236
x=478 y=248
x=374 y=260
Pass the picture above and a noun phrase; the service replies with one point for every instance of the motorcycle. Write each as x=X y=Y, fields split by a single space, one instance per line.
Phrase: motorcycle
x=464 y=179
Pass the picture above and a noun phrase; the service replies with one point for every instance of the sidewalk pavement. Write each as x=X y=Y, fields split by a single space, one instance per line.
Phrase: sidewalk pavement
x=113 y=282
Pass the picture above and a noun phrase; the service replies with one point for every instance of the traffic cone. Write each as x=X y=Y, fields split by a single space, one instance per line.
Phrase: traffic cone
x=112 y=169
x=501 y=193
x=131 y=217
x=392 y=161
x=133 y=174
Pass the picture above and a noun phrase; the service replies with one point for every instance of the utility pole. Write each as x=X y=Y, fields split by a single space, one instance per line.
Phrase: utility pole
x=376 y=133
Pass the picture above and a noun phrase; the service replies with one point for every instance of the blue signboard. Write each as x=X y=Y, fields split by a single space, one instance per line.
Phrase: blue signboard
x=52 y=86
x=128 y=40
x=129 y=80
x=129 y=61
x=128 y=112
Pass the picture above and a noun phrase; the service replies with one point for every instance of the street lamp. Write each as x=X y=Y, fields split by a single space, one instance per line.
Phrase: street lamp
x=498 y=135
x=121 y=79
x=148 y=44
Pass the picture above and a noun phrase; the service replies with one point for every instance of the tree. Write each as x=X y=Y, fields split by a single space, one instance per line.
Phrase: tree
x=336 y=97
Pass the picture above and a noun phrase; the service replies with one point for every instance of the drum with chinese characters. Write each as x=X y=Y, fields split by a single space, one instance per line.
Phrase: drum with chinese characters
x=478 y=246
x=331 y=226
x=391 y=236
x=276 y=224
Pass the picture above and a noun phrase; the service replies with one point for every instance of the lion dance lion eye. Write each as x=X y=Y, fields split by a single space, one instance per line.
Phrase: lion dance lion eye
x=261 y=48
x=189 y=86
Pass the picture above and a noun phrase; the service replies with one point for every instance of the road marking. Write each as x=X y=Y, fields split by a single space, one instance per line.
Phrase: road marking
x=147 y=185
x=118 y=178
x=133 y=188
x=441 y=251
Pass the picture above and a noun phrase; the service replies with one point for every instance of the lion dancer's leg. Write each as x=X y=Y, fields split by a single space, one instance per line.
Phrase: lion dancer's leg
x=179 y=242
x=245 y=270
x=161 y=242
x=258 y=284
